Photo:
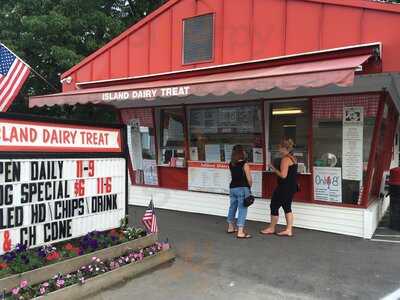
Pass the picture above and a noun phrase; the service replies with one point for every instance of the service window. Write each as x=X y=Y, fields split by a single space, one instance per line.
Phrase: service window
x=171 y=137
x=342 y=134
x=215 y=130
x=290 y=120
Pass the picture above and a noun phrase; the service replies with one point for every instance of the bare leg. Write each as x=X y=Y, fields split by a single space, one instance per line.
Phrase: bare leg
x=289 y=227
x=271 y=228
x=242 y=234
x=231 y=227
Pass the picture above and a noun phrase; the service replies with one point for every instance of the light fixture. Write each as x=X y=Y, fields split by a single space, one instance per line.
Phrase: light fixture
x=286 y=111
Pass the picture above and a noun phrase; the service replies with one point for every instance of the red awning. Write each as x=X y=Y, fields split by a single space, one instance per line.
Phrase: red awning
x=339 y=71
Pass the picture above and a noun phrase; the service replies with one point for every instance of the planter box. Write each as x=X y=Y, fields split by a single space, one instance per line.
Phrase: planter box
x=109 y=279
x=72 y=264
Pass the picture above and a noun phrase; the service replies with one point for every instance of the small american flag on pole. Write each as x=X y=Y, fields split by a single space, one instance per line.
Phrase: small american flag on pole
x=13 y=74
x=149 y=219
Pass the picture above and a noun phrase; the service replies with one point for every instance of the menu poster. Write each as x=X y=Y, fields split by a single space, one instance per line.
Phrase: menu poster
x=135 y=144
x=353 y=125
x=215 y=177
x=258 y=155
x=150 y=172
x=213 y=152
x=328 y=184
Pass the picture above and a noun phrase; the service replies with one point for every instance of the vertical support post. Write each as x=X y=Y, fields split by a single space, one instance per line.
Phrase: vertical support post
x=310 y=150
x=373 y=151
x=153 y=114
x=186 y=134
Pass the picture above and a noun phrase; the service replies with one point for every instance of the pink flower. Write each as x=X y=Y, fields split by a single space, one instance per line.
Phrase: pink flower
x=60 y=283
x=165 y=246
x=23 y=284
x=82 y=280
x=46 y=284
x=15 y=291
x=42 y=291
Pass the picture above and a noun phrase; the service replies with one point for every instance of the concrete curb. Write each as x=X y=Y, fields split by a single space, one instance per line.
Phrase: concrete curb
x=107 y=280
x=70 y=265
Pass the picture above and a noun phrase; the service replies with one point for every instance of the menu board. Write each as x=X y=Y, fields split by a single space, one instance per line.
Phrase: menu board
x=227 y=119
x=353 y=125
x=49 y=200
x=215 y=177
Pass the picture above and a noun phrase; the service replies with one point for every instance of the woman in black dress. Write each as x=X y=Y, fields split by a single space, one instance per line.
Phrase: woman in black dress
x=287 y=187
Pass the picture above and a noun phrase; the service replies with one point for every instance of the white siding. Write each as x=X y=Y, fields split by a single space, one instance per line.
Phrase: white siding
x=335 y=219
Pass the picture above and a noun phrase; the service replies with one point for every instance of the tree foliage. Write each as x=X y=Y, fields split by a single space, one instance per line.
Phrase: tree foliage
x=54 y=35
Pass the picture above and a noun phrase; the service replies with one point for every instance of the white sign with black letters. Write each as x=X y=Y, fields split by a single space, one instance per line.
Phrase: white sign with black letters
x=353 y=127
x=49 y=200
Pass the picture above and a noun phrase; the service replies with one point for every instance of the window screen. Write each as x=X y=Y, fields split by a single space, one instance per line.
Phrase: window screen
x=198 y=39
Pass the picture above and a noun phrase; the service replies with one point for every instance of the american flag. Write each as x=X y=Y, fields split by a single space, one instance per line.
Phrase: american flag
x=149 y=219
x=13 y=74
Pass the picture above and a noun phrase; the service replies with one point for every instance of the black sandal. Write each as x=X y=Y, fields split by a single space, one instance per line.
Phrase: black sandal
x=246 y=236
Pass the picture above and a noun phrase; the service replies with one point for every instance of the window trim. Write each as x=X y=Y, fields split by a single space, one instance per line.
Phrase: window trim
x=157 y=118
x=258 y=103
x=268 y=114
x=212 y=59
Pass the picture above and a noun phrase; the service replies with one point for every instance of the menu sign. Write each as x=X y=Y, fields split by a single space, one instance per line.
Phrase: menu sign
x=215 y=177
x=49 y=200
x=225 y=119
x=353 y=125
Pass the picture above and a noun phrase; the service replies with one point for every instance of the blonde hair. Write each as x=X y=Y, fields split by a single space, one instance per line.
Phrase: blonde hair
x=288 y=144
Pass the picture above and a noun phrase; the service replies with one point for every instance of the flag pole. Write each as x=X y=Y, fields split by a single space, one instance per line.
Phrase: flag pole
x=33 y=70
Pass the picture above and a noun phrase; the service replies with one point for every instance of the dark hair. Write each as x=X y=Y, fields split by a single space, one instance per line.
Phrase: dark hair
x=238 y=154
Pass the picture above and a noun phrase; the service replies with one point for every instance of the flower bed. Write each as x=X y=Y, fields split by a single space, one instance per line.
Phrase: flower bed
x=97 y=274
x=22 y=260
x=66 y=264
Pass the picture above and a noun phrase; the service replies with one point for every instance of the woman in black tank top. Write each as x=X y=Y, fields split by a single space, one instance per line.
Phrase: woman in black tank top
x=239 y=189
x=284 y=192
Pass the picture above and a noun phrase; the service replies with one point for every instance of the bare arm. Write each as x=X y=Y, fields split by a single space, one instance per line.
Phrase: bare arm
x=247 y=171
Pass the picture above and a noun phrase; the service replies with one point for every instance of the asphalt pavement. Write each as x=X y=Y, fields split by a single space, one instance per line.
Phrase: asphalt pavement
x=214 y=265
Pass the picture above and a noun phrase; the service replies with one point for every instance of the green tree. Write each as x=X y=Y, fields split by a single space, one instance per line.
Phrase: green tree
x=54 y=35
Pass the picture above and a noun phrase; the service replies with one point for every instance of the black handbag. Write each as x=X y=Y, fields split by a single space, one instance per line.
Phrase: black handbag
x=249 y=200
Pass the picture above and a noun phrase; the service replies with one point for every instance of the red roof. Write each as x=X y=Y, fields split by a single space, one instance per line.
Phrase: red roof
x=365 y=4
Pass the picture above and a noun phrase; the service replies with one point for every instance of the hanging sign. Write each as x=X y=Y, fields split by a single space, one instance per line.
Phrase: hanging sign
x=328 y=184
x=17 y=135
x=353 y=126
